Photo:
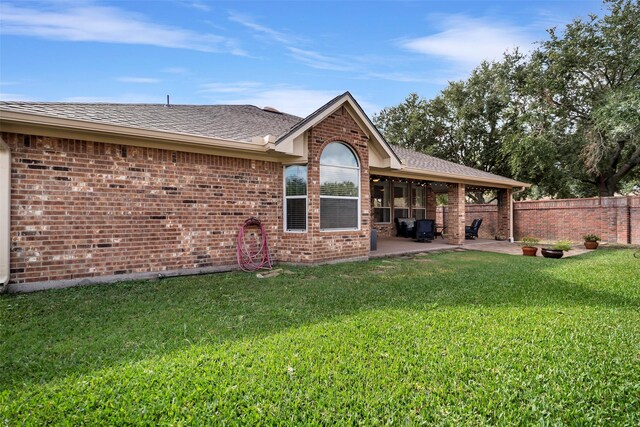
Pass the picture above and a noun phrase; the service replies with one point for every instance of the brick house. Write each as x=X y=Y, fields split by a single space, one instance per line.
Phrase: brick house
x=115 y=190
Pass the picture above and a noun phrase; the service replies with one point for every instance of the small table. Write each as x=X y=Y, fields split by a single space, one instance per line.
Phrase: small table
x=440 y=231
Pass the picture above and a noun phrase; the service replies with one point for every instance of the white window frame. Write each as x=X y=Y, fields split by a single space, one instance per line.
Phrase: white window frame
x=357 y=168
x=286 y=198
x=387 y=185
x=415 y=207
x=407 y=197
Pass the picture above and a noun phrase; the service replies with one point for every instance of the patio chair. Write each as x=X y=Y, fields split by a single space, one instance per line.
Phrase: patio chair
x=405 y=227
x=471 y=232
x=425 y=230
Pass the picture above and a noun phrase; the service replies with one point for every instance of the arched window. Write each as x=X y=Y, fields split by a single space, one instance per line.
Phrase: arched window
x=339 y=188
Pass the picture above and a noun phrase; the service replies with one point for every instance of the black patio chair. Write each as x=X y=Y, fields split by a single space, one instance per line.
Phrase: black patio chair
x=405 y=227
x=425 y=230
x=471 y=232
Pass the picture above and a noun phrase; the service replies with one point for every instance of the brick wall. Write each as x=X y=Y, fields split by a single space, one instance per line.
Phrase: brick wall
x=82 y=208
x=333 y=245
x=614 y=219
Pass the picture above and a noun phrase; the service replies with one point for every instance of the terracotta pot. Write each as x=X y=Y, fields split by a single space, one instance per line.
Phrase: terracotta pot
x=529 y=250
x=552 y=253
x=591 y=245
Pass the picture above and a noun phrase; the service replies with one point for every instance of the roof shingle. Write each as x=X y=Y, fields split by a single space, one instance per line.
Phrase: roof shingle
x=234 y=122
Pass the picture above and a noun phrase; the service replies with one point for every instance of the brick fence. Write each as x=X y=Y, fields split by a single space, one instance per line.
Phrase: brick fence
x=614 y=219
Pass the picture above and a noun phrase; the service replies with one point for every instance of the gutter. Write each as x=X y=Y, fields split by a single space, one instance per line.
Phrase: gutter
x=511 y=239
x=5 y=214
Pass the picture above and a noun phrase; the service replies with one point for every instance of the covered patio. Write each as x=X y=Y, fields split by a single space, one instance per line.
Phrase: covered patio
x=398 y=246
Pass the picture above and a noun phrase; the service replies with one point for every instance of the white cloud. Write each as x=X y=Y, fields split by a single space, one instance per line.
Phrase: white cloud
x=14 y=97
x=320 y=61
x=288 y=99
x=236 y=87
x=145 y=80
x=108 y=25
x=127 y=98
x=468 y=41
x=269 y=32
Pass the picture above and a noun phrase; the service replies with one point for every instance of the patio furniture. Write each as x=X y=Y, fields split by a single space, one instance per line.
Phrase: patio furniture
x=471 y=232
x=405 y=227
x=439 y=231
x=425 y=230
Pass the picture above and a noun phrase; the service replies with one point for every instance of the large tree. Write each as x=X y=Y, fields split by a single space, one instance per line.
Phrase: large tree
x=577 y=99
x=465 y=124
x=566 y=117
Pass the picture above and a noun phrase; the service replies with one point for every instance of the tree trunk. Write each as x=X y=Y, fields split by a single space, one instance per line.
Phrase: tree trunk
x=606 y=186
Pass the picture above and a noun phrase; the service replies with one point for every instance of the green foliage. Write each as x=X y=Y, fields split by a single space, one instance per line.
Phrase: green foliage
x=578 y=106
x=465 y=124
x=562 y=245
x=455 y=338
x=529 y=241
x=591 y=238
x=565 y=118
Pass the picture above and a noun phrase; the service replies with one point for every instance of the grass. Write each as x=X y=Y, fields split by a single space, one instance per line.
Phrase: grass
x=454 y=338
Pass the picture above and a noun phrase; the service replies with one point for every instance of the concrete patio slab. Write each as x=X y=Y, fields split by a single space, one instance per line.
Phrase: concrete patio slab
x=396 y=246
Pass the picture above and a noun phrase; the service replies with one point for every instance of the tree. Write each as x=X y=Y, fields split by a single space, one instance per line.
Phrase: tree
x=577 y=102
x=465 y=124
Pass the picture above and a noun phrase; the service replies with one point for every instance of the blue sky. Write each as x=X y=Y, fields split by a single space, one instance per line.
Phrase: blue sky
x=291 y=55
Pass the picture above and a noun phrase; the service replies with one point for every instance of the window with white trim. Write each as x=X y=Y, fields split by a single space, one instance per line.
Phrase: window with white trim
x=400 y=200
x=381 y=202
x=418 y=199
x=339 y=188
x=295 y=200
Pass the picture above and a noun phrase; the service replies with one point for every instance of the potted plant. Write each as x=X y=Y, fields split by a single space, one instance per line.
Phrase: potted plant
x=557 y=250
x=591 y=241
x=528 y=244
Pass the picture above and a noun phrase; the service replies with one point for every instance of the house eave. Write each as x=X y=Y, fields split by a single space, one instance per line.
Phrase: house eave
x=422 y=174
x=262 y=147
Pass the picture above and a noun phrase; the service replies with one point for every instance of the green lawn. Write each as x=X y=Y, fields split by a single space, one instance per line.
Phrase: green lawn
x=451 y=338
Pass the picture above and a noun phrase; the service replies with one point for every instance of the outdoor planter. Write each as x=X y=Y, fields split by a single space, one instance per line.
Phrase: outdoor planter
x=591 y=241
x=552 y=253
x=528 y=248
x=591 y=245
x=557 y=250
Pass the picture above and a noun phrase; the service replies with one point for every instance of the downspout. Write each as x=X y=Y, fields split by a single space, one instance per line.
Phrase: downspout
x=5 y=214
x=511 y=239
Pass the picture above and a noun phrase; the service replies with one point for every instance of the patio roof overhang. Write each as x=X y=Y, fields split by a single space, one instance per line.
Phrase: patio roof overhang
x=446 y=178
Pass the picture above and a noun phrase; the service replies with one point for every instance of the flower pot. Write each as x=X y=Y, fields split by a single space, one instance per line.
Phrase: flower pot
x=591 y=245
x=529 y=250
x=552 y=253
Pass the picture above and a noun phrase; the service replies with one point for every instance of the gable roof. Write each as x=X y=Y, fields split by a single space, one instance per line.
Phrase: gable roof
x=357 y=113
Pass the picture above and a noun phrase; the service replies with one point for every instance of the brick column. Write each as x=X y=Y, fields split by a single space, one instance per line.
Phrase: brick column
x=503 y=226
x=431 y=203
x=456 y=214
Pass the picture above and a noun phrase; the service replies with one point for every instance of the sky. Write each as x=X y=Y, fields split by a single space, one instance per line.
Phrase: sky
x=292 y=55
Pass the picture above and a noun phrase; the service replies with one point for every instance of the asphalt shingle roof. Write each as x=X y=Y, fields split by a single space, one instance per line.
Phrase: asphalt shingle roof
x=232 y=122
x=235 y=122
x=423 y=161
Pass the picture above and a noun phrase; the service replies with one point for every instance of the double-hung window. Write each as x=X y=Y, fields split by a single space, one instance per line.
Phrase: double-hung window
x=381 y=202
x=418 y=206
x=295 y=190
x=339 y=188
x=400 y=200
